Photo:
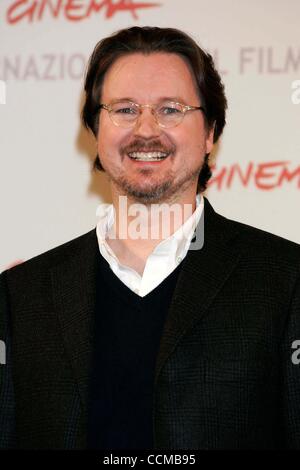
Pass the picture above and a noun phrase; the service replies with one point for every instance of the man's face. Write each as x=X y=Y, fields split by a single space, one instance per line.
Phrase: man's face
x=147 y=80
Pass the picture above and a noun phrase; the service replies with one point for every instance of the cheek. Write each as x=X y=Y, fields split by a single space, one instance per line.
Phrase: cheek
x=111 y=138
x=106 y=135
x=103 y=129
x=189 y=142
x=195 y=138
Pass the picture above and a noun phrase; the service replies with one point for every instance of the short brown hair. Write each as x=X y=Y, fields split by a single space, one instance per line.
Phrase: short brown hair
x=147 y=40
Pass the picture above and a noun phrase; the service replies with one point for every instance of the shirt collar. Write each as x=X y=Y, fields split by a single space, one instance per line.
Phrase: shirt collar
x=176 y=244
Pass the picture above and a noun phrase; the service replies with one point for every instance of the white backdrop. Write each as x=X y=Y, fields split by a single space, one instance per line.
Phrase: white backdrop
x=48 y=193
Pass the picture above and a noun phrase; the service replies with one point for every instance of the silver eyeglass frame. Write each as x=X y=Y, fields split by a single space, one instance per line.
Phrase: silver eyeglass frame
x=185 y=109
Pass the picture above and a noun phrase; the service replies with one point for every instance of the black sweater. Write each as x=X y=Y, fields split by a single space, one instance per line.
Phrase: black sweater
x=126 y=341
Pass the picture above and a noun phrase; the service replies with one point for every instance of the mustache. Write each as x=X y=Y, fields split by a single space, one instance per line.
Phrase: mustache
x=140 y=145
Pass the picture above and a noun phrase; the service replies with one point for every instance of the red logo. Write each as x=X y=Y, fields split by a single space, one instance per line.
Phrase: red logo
x=264 y=176
x=72 y=10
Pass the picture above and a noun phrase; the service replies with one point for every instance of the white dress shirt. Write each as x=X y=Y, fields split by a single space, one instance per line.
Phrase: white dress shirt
x=165 y=257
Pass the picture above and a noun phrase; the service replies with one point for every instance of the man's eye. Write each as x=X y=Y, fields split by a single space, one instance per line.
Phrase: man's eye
x=126 y=110
x=169 y=110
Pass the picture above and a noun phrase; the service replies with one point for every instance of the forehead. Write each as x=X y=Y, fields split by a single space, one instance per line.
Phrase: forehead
x=147 y=78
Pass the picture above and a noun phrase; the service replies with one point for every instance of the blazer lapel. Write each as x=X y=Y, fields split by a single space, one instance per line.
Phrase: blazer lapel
x=203 y=274
x=74 y=293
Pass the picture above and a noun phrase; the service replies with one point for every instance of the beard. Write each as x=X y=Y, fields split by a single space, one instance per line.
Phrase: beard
x=154 y=190
x=158 y=192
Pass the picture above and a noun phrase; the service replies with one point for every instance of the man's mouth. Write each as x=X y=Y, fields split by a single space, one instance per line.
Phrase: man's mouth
x=148 y=156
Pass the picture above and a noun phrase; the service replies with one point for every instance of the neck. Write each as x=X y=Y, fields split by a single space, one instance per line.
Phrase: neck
x=139 y=228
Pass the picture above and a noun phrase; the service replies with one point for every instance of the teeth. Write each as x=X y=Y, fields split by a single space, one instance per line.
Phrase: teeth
x=148 y=156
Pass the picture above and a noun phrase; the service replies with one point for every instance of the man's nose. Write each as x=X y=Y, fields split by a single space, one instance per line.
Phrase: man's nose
x=146 y=124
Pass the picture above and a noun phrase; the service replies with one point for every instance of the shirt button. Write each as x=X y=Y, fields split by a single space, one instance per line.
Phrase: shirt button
x=178 y=259
x=136 y=291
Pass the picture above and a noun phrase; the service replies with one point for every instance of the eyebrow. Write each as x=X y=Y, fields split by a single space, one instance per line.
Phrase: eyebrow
x=177 y=99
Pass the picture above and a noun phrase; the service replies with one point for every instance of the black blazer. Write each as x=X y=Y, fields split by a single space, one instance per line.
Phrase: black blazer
x=225 y=378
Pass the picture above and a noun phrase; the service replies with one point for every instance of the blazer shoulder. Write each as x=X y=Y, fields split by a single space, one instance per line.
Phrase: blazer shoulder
x=54 y=256
x=247 y=236
x=258 y=242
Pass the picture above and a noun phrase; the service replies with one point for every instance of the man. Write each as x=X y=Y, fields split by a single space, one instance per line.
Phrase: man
x=143 y=342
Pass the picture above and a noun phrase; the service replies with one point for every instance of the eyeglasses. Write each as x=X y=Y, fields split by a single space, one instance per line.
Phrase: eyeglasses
x=167 y=113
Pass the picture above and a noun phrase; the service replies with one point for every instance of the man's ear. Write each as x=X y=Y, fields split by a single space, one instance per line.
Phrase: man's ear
x=210 y=138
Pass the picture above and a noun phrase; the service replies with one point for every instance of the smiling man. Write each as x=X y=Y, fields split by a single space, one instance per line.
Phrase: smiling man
x=120 y=341
x=153 y=152
x=153 y=159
